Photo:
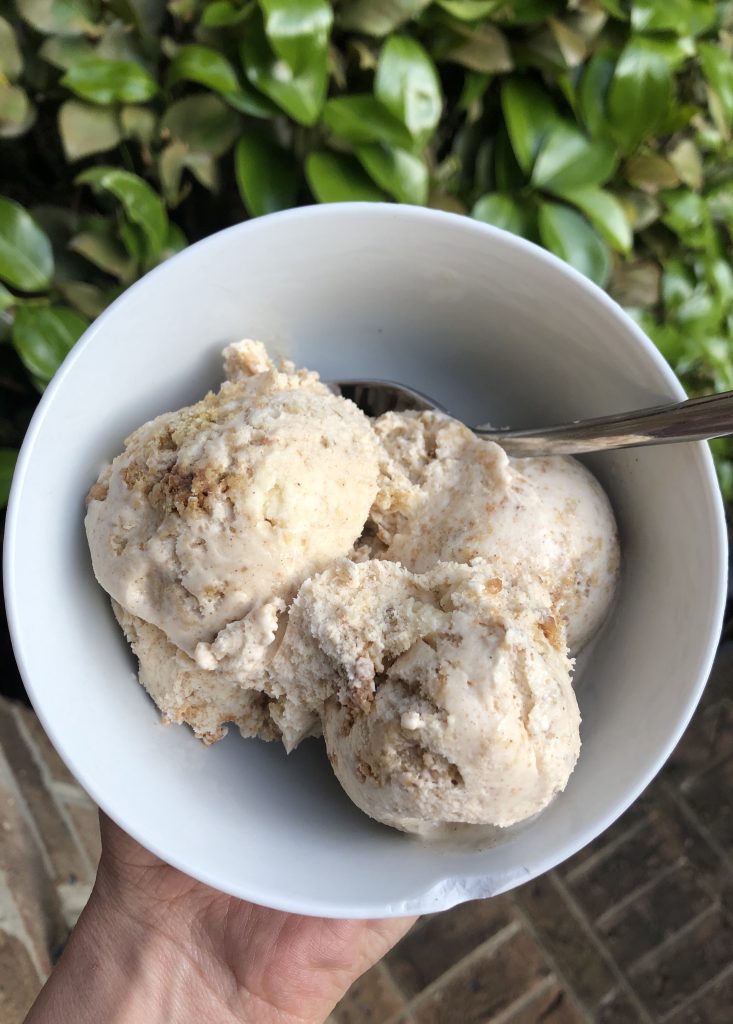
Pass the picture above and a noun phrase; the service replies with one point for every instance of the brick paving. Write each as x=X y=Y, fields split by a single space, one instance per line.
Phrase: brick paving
x=635 y=929
x=48 y=857
x=638 y=927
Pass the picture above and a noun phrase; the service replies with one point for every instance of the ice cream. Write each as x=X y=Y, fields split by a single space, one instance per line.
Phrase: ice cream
x=280 y=562
x=187 y=694
x=447 y=495
x=455 y=703
x=211 y=518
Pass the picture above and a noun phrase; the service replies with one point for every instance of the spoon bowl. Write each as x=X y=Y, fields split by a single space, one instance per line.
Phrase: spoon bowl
x=493 y=327
x=696 y=419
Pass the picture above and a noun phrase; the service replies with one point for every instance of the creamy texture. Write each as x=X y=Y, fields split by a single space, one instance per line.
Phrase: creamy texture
x=221 y=509
x=280 y=562
x=447 y=495
x=454 y=704
x=185 y=693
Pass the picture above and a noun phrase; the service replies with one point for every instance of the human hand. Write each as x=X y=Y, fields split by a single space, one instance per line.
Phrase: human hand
x=155 y=945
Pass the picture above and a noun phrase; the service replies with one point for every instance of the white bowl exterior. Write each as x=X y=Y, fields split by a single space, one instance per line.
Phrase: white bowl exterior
x=493 y=328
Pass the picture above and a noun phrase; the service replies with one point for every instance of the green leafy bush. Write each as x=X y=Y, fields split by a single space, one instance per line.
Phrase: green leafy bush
x=599 y=128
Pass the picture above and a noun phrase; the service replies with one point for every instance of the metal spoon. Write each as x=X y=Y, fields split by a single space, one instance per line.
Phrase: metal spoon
x=696 y=419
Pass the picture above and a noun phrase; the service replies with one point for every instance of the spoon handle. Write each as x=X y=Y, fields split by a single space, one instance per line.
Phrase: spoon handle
x=693 y=420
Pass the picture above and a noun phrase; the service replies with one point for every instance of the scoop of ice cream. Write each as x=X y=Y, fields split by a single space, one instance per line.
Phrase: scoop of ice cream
x=448 y=495
x=452 y=699
x=185 y=693
x=334 y=639
x=221 y=509
x=279 y=562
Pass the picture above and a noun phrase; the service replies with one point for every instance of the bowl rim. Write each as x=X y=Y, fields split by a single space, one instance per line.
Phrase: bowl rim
x=447 y=891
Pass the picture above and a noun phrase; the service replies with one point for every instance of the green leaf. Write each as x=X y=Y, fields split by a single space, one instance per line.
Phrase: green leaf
x=639 y=94
x=720 y=203
x=299 y=92
x=700 y=314
x=248 y=101
x=570 y=236
x=135 y=242
x=337 y=178
x=567 y=82
x=401 y=174
x=641 y=209
x=138 y=123
x=593 y=91
x=203 y=121
x=140 y=203
x=719 y=275
x=203 y=167
x=650 y=16
x=222 y=13
x=58 y=17
x=364 y=119
x=529 y=114
x=298 y=30
x=686 y=214
x=407 y=84
x=203 y=65
x=687 y=161
x=677 y=285
x=528 y=12
x=99 y=246
x=666 y=337
x=17 y=113
x=568 y=159
x=378 y=17
x=573 y=47
x=676 y=51
x=66 y=52
x=679 y=116
x=480 y=48
x=605 y=213
x=470 y=10
x=86 y=298
x=43 y=335
x=176 y=242
x=119 y=43
x=718 y=70
x=8 y=458
x=110 y=81
x=679 y=16
x=702 y=16
x=7 y=299
x=11 y=59
x=267 y=175
x=475 y=84
x=172 y=161
x=26 y=259
x=503 y=211
x=717 y=354
x=85 y=129
x=651 y=172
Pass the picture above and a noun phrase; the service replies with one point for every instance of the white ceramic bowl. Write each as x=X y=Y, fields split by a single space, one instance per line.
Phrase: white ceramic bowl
x=492 y=327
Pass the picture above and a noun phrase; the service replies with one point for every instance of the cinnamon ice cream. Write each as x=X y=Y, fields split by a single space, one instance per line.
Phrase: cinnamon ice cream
x=204 y=527
x=451 y=698
x=447 y=495
x=213 y=515
x=281 y=562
